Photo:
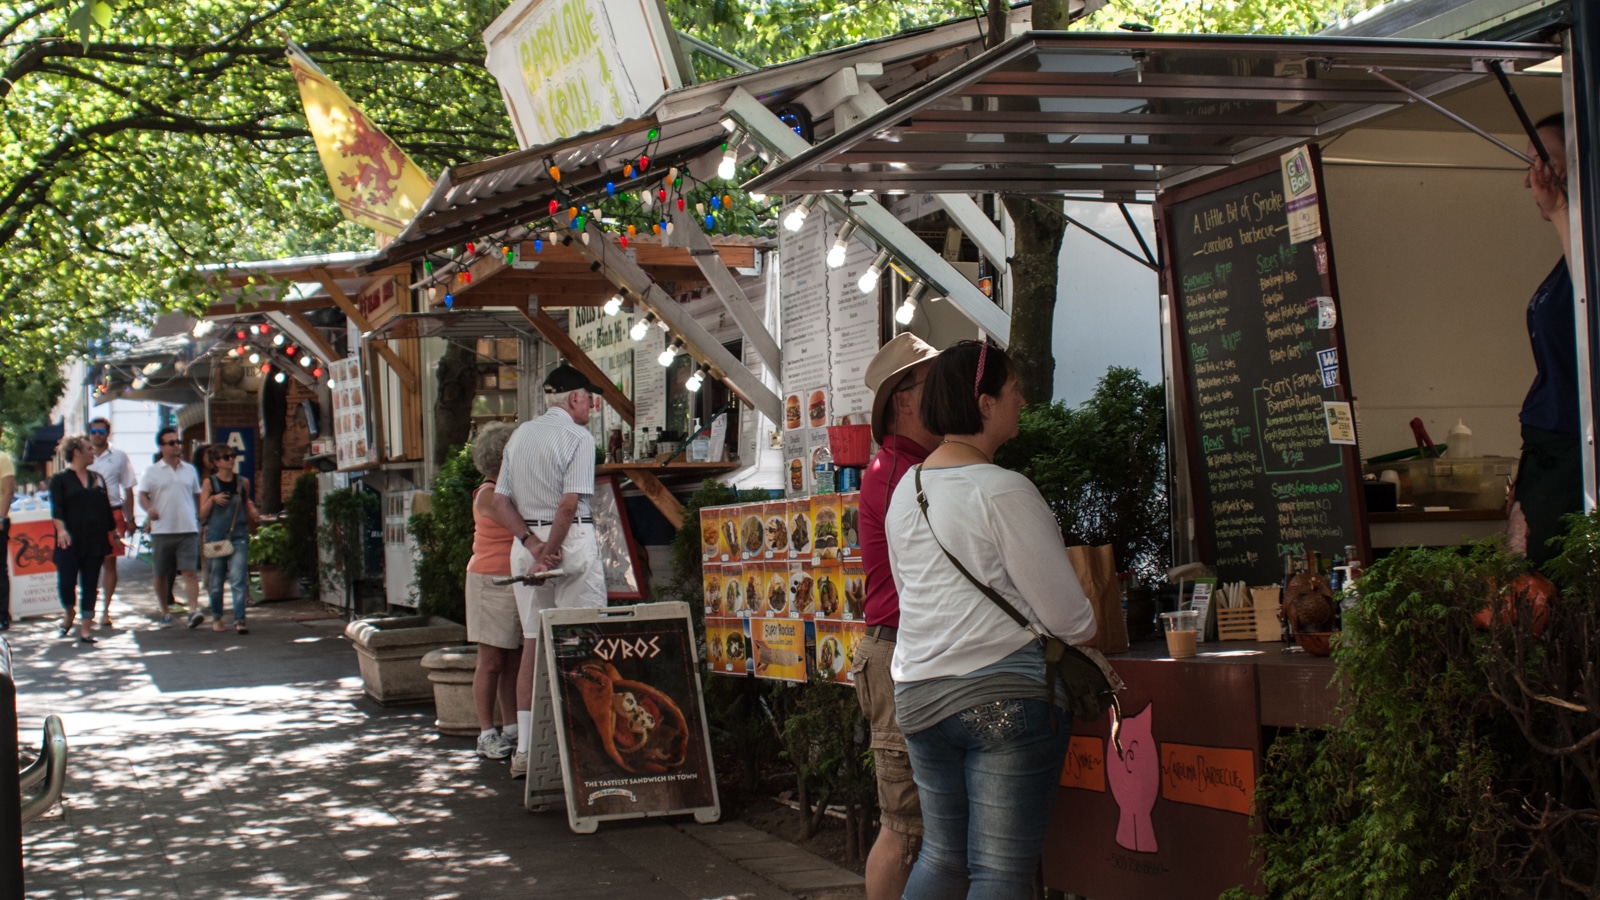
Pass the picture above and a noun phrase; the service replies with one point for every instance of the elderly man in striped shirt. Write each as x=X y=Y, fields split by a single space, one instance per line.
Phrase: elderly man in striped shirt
x=542 y=497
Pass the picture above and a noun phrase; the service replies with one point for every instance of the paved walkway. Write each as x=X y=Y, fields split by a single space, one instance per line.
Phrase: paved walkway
x=219 y=765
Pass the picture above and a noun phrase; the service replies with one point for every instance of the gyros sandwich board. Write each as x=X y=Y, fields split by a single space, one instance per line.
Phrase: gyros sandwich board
x=623 y=688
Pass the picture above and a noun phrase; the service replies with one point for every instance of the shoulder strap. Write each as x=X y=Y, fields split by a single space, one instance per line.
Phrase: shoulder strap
x=991 y=593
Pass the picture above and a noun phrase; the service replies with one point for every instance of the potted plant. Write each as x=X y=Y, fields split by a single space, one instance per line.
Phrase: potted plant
x=273 y=557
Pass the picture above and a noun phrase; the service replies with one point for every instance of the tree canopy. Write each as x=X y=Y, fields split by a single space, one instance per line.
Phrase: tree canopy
x=140 y=138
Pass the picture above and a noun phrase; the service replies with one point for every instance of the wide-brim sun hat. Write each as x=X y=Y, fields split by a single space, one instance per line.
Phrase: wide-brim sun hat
x=888 y=367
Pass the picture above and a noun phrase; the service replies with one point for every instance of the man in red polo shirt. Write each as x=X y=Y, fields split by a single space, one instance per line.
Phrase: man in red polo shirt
x=895 y=378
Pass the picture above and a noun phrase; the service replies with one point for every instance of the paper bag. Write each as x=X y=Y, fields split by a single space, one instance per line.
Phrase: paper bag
x=1097 y=573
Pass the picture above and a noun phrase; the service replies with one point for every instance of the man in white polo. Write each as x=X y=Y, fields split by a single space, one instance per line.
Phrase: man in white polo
x=169 y=494
x=542 y=497
x=121 y=480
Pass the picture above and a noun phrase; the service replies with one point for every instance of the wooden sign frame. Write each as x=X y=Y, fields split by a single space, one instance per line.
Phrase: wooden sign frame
x=619 y=689
x=1350 y=467
x=624 y=578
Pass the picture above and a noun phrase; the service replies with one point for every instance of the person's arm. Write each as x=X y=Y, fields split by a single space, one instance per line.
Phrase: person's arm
x=8 y=493
x=252 y=516
x=549 y=556
x=1035 y=558
x=207 y=499
x=130 y=486
x=58 y=510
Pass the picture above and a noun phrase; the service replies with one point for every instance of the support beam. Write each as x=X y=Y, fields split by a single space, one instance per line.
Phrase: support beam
x=301 y=328
x=652 y=487
x=890 y=233
x=961 y=208
x=348 y=307
x=727 y=289
x=696 y=339
x=575 y=357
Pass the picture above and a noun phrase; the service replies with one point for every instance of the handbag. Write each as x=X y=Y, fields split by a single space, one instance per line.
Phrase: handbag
x=224 y=548
x=1091 y=683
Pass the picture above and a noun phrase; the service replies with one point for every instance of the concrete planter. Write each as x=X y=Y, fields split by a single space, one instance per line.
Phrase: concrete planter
x=390 y=650
x=451 y=669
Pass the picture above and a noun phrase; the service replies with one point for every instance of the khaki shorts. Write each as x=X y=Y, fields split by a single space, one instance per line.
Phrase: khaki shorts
x=584 y=585
x=492 y=612
x=900 y=807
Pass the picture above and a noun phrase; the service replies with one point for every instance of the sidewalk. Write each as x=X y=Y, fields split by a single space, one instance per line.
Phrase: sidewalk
x=218 y=765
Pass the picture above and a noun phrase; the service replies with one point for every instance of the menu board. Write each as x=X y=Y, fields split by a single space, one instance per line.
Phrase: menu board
x=1264 y=378
x=350 y=447
x=784 y=588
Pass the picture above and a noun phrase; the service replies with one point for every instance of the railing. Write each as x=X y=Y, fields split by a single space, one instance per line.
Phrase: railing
x=50 y=770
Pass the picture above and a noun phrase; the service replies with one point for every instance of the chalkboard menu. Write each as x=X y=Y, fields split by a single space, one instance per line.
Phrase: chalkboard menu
x=1255 y=321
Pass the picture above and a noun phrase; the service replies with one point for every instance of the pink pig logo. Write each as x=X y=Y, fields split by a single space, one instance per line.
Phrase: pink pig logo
x=1135 y=782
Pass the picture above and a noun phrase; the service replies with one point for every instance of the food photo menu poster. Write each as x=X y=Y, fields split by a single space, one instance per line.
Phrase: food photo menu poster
x=350 y=448
x=631 y=712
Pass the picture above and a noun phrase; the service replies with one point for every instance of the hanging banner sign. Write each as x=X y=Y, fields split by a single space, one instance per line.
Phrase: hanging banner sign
x=569 y=67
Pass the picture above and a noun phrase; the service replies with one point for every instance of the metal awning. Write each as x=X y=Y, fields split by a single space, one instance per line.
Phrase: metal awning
x=1120 y=114
x=461 y=324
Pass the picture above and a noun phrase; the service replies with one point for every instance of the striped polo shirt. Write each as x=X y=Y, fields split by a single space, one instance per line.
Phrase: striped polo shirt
x=546 y=458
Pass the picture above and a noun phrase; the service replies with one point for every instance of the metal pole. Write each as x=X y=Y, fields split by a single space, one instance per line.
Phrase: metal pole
x=1581 y=68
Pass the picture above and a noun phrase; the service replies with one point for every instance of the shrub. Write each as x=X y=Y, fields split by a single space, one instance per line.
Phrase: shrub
x=444 y=538
x=299 y=522
x=1103 y=469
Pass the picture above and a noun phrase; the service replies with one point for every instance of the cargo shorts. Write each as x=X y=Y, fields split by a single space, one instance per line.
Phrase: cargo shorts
x=900 y=807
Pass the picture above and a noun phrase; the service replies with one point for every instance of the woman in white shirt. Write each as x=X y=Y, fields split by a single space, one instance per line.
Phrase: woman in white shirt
x=970 y=684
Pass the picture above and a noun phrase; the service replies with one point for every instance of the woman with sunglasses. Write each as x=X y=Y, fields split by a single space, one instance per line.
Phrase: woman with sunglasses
x=81 y=508
x=228 y=514
x=971 y=688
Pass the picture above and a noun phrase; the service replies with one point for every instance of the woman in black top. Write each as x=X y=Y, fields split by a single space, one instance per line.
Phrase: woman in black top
x=81 y=509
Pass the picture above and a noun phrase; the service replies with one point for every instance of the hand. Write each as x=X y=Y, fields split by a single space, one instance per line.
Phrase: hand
x=152 y=516
x=63 y=540
x=547 y=558
x=220 y=499
x=1549 y=188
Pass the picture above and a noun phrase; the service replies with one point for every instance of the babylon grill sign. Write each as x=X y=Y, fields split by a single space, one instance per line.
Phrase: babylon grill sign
x=568 y=67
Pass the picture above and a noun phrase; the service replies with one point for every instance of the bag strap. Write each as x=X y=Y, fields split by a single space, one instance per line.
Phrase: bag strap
x=991 y=593
x=216 y=488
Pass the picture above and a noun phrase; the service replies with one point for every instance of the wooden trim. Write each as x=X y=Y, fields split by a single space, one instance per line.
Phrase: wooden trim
x=652 y=487
x=342 y=300
x=550 y=331
x=323 y=347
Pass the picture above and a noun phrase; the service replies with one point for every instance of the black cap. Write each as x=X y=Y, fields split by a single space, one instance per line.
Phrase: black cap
x=564 y=378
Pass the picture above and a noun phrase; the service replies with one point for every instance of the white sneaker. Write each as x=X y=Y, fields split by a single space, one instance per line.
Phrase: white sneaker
x=519 y=765
x=493 y=745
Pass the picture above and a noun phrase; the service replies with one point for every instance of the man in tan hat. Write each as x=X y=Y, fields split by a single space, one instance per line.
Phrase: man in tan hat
x=895 y=378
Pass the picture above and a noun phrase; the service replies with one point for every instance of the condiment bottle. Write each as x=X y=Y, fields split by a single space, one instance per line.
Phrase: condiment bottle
x=1460 y=441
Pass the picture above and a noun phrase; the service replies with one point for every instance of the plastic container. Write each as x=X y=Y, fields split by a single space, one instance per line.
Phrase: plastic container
x=1183 y=632
x=851 y=445
x=1477 y=483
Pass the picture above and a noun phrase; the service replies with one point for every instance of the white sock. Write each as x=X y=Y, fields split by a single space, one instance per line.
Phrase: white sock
x=487 y=731
x=524 y=729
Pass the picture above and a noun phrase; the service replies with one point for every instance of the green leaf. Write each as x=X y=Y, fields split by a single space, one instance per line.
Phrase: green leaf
x=101 y=13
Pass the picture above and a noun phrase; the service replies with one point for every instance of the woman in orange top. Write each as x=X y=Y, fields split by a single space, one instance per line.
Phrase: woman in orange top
x=492 y=619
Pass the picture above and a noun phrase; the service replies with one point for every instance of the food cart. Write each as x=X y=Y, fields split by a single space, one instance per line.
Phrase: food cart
x=1345 y=244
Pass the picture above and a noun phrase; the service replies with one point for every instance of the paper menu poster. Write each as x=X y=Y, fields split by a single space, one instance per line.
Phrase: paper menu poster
x=802 y=591
x=752 y=531
x=775 y=590
x=796 y=464
x=712 y=578
x=727 y=646
x=804 y=305
x=778 y=648
x=775 y=522
x=852 y=332
x=710 y=532
x=731 y=599
x=830 y=592
x=849 y=525
x=800 y=528
x=855 y=590
x=834 y=652
x=825 y=529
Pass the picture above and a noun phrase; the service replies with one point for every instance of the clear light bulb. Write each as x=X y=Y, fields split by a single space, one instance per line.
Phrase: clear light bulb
x=305 y=362
x=869 y=278
x=726 y=167
x=841 y=245
x=906 y=311
x=333 y=385
x=796 y=219
x=255 y=359
x=277 y=340
x=668 y=355
x=758 y=197
x=614 y=305
x=695 y=381
x=639 y=329
x=278 y=378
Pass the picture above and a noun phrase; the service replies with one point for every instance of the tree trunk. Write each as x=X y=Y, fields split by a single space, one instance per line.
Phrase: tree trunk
x=814 y=821
x=1035 y=266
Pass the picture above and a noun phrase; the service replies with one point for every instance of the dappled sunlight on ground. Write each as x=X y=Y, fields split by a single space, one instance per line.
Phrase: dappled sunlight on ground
x=217 y=765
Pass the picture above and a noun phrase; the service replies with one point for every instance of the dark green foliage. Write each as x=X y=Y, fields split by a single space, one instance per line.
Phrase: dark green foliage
x=444 y=538
x=269 y=546
x=825 y=736
x=1103 y=468
x=300 y=528
x=345 y=514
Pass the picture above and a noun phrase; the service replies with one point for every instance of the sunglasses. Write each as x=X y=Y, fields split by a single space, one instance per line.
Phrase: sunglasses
x=98 y=431
x=227 y=458
x=170 y=443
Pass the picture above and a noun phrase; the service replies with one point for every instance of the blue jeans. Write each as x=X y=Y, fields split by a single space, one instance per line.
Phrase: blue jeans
x=235 y=567
x=77 y=580
x=987 y=777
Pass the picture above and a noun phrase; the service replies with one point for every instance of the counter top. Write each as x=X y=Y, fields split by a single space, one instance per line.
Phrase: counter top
x=1294 y=688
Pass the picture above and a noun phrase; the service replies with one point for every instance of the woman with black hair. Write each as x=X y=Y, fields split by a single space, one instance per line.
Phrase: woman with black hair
x=987 y=732
x=81 y=509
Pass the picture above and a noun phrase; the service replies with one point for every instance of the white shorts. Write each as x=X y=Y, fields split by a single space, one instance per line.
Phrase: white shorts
x=584 y=585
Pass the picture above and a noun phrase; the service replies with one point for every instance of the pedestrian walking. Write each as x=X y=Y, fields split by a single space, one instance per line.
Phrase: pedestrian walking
x=895 y=376
x=542 y=498
x=121 y=480
x=80 y=507
x=492 y=619
x=228 y=514
x=985 y=721
x=169 y=493
x=8 y=493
